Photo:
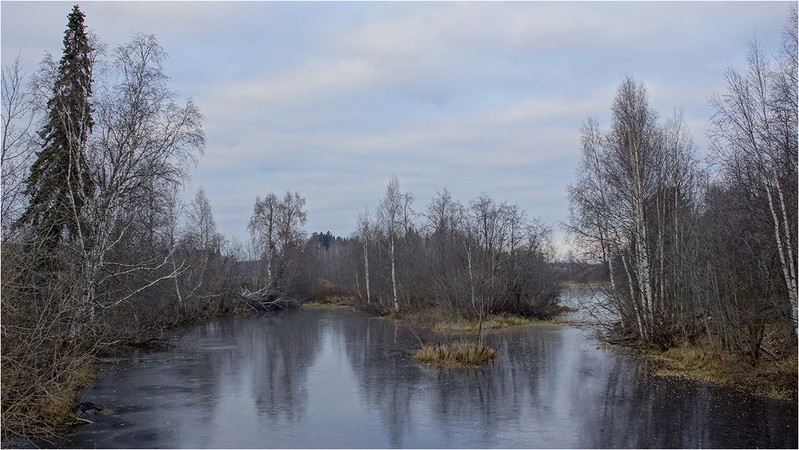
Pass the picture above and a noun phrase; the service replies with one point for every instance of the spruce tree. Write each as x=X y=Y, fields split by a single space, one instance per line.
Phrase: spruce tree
x=59 y=182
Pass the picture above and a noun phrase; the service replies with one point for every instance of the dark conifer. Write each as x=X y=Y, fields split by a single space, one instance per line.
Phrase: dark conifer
x=59 y=183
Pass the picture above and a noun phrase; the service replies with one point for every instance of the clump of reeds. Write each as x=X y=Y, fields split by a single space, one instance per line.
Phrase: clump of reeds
x=491 y=322
x=457 y=354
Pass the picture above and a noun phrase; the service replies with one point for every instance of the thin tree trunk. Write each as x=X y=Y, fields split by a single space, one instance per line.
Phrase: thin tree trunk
x=394 y=276
x=366 y=269
x=471 y=277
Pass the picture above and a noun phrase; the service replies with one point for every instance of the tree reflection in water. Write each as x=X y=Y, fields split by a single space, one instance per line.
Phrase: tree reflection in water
x=335 y=378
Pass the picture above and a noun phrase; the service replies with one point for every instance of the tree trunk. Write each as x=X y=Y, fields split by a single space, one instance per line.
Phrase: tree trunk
x=366 y=269
x=394 y=275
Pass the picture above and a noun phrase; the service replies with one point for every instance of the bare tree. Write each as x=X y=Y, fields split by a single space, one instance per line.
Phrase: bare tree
x=197 y=248
x=263 y=228
x=143 y=144
x=364 y=233
x=201 y=224
x=18 y=145
x=277 y=232
x=636 y=186
x=108 y=156
x=445 y=226
x=756 y=122
x=291 y=221
x=391 y=214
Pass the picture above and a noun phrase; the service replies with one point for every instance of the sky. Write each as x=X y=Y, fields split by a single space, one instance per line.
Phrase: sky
x=332 y=99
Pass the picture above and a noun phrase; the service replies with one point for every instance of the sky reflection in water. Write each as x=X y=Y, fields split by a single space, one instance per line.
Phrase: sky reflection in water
x=336 y=378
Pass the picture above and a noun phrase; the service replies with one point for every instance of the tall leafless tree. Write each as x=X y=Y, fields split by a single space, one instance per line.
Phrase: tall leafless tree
x=635 y=183
x=756 y=136
x=391 y=214
x=277 y=233
x=18 y=144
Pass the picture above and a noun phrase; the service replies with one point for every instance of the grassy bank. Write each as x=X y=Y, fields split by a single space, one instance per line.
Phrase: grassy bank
x=772 y=378
x=443 y=322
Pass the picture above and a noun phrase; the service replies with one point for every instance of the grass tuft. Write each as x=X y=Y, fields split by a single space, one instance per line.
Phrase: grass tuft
x=458 y=354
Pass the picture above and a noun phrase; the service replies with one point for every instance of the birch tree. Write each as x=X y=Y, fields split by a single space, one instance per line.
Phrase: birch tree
x=755 y=134
x=390 y=215
x=107 y=142
x=276 y=230
x=263 y=229
x=635 y=182
x=365 y=234
x=144 y=142
x=201 y=224
x=18 y=143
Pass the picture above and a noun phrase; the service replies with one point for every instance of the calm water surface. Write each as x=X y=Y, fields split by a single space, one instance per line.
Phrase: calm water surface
x=337 y=378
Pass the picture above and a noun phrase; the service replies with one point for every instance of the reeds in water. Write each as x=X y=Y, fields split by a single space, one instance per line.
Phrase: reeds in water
x=457 y=354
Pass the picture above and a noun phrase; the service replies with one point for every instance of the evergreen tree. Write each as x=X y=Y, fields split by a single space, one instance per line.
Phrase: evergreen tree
x=59 y=183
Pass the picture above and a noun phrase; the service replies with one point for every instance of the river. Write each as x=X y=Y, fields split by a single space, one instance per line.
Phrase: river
x=336 y=378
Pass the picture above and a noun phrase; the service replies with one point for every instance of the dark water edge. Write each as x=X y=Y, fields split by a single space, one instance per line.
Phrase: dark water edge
x=334 y=378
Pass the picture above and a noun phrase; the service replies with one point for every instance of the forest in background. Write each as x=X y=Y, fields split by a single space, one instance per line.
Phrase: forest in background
x=99 y=249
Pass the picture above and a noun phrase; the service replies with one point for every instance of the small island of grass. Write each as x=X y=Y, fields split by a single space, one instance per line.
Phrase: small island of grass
x=456 y=354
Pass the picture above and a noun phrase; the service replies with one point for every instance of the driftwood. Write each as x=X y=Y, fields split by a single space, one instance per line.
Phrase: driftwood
x=266 y=299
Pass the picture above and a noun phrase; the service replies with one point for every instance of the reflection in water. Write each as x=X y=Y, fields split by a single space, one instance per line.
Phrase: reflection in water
x=335 y=378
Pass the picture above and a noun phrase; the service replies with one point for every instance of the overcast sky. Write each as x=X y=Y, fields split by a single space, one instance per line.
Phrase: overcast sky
x=333 y=99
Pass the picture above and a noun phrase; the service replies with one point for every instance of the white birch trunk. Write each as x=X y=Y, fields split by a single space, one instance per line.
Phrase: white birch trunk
x=366 y=269
x=786 y=261
x=394 y=276
x=473 y=297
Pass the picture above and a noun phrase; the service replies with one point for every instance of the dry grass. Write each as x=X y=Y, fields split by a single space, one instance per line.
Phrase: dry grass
x=458 y=354
x=39 y=402
x=489 y=323
x=771 y=378
x=573 y=283
x=330 y=302
x=690 y=362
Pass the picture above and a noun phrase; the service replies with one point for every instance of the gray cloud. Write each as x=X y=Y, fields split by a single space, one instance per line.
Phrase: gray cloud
x=332 y=99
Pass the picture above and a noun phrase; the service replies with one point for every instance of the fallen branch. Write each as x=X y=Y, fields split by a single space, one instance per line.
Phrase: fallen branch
x=266 y=299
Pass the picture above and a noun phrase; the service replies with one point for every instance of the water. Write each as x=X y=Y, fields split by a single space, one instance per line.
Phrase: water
x=337 y=378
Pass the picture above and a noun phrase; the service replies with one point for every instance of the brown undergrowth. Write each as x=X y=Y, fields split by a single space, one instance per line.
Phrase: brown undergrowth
x=456 y=354
x=330 y=302
x=444 y=322
x=772 y=378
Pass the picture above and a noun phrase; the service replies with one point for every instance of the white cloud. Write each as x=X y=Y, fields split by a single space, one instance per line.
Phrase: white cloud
x=332 y=99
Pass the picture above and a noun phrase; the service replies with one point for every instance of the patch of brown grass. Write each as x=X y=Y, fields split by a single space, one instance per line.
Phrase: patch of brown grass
x=489 y=323
x=332 y=301
x=690 y=362
x=458 y=354
x=771 y=378
x=574 y=283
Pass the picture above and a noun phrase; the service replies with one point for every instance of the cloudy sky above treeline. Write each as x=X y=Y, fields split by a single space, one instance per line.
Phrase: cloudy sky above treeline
x=332 y=99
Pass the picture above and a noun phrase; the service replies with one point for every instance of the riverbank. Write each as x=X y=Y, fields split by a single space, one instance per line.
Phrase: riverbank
x=44 y=404
x=442 y=321
x=774 y=378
